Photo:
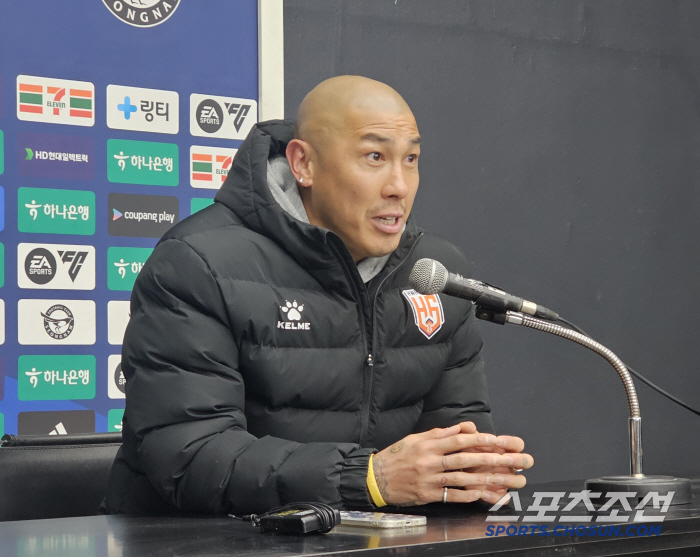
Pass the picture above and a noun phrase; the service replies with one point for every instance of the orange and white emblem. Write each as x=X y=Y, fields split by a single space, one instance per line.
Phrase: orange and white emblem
x=427 y=311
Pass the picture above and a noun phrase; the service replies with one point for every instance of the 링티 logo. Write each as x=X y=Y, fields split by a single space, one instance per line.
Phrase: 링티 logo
x=292 y=313
x=142 y=13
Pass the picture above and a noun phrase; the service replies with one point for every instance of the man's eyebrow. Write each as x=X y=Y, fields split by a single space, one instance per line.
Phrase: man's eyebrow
x=384 y=139
x=377 y=138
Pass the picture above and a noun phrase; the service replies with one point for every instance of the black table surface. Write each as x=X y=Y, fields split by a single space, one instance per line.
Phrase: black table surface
x=451 y=530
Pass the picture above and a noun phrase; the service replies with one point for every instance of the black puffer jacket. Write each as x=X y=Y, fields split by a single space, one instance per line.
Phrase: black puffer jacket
x=249 y=381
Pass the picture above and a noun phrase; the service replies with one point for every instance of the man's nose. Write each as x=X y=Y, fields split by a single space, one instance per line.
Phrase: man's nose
x=398 y=185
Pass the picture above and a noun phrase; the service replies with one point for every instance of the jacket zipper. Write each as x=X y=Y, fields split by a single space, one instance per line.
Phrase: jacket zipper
x=364 y=421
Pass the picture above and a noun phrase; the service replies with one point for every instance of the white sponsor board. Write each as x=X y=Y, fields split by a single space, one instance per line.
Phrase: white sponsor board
x=56 y=322
x=222 y=117
x=118 y=314
x=56 y=266
x=143 y=110
x=2 y=321
x=209 y=166
x=114 y=376
x=55 y=101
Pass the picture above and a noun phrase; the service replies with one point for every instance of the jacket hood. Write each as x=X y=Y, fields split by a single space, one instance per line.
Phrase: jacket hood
x=246 y=192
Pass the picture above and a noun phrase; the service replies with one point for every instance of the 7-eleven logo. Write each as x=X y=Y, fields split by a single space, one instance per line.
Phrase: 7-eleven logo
x=209 y=166
x=55 y=101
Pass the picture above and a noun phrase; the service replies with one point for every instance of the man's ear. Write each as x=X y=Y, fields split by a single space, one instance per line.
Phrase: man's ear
x=298 y=154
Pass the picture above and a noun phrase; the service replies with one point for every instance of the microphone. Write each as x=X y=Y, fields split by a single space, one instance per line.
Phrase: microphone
x=430 y=277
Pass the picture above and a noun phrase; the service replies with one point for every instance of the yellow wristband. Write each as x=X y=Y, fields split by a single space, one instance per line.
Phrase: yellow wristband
x=372 y=486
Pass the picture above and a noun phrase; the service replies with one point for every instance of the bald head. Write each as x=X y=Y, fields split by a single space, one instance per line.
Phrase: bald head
x=355 y=158
x=329 y=108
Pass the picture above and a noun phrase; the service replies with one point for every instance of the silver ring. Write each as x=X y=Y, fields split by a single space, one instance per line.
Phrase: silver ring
x=444 y=468
x=444 y=495
x=515 y=470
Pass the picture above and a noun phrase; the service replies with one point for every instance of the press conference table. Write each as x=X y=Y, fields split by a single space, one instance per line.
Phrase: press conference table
x=452 y=530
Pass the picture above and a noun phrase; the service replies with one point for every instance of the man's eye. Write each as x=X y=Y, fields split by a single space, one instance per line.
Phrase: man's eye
x=412 y=158
x=376 y=157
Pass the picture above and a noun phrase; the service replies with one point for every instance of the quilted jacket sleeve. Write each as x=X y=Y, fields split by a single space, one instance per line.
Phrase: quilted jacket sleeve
x=460 y=394
x=185 y=404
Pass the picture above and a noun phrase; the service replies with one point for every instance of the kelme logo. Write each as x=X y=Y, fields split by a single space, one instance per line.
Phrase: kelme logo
x=142 y=162
x=48 y=211
x=124 y=265
x=142 y=13
x=56 y=377
x=292 y=315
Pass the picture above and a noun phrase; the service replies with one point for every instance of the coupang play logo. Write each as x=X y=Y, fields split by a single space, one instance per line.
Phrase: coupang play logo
x=142 y=13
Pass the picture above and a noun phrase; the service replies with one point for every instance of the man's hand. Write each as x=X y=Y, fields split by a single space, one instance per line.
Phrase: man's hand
x=472 y=465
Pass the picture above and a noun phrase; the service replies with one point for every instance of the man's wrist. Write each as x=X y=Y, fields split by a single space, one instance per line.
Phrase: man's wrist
x=372 y=486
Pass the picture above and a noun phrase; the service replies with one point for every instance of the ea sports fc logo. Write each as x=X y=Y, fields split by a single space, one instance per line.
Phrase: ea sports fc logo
x=292 y=314
x=142 y=13
x=58 y=321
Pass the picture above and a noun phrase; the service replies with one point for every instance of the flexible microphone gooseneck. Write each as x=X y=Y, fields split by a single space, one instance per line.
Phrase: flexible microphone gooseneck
x=431 y=277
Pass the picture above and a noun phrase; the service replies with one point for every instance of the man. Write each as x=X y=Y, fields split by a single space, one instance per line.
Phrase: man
x=274 y=346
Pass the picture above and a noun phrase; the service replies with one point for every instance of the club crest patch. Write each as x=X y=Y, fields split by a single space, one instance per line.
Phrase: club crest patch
x=427 y=311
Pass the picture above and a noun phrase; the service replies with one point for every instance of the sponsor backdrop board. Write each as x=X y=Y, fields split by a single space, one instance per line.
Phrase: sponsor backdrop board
x=110 y=133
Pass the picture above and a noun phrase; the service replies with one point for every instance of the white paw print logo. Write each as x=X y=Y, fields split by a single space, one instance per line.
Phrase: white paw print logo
x=293 y=310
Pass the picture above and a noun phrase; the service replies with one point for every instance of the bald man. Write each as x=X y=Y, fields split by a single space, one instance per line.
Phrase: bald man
x=275 y=352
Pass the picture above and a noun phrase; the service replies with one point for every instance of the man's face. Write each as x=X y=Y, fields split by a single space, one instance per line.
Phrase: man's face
x=365 y=179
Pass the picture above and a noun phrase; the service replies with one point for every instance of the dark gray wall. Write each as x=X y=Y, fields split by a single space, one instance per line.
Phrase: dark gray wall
x=561 y=153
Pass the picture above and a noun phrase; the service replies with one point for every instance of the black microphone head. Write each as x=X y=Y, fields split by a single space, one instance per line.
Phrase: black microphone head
x=428 y=276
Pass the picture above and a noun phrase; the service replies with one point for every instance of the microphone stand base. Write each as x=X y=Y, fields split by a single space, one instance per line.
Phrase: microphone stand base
x=643 y=486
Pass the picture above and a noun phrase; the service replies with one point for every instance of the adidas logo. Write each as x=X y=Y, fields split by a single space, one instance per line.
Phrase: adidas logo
x=59 y=429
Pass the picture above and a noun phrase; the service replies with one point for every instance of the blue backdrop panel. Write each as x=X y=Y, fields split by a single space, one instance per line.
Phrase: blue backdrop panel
x=102 y=121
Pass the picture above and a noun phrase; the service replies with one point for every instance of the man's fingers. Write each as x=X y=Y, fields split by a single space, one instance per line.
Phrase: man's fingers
x=462 y=495
x=467 y=427
x=457 y=461
x=452 y=443
x=511 y=444
x=467 y=479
